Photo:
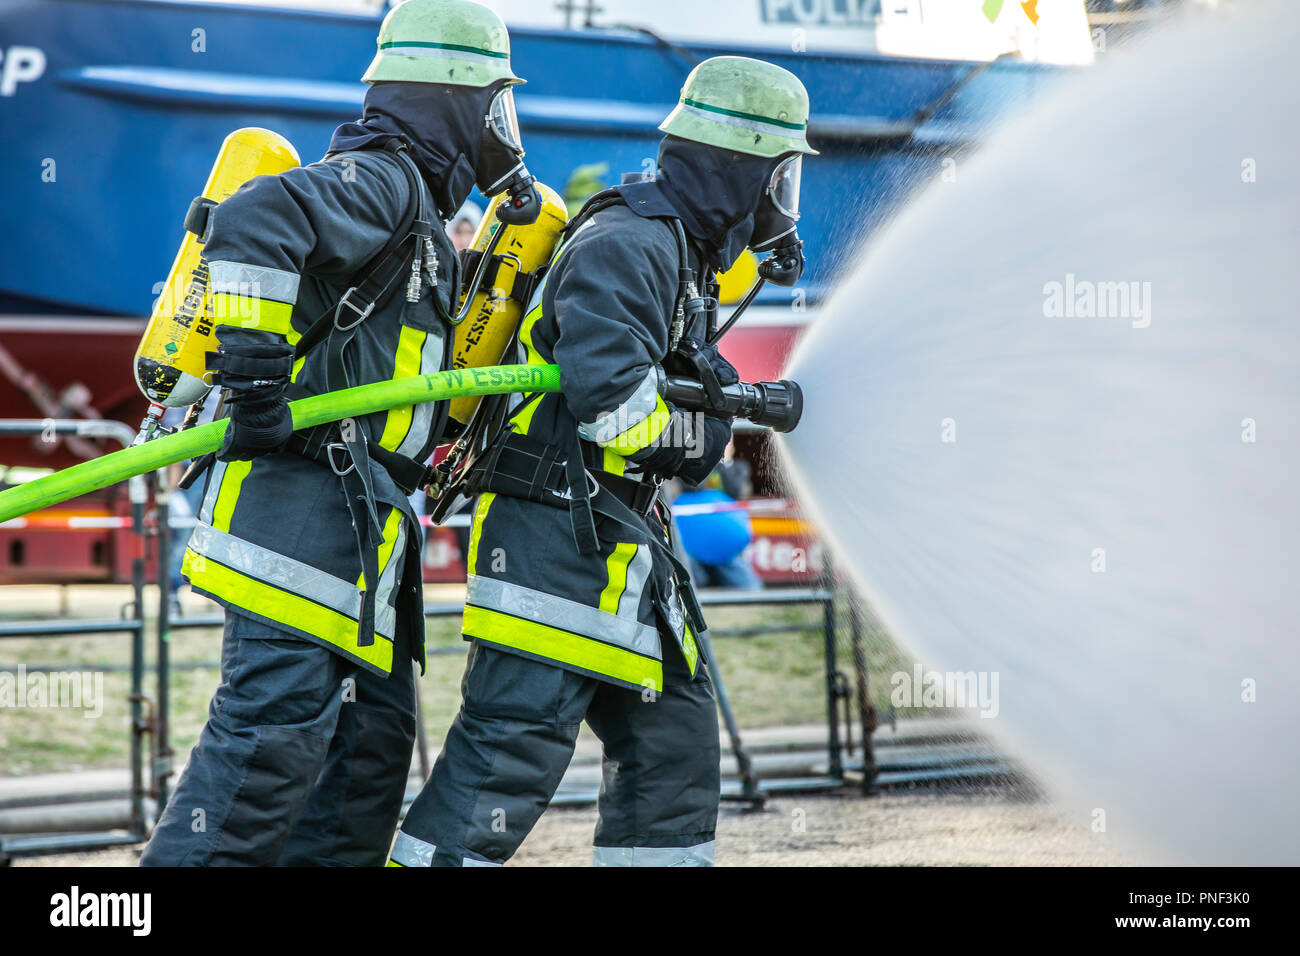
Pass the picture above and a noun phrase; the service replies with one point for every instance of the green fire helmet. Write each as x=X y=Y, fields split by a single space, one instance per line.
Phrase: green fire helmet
x=750 y=106
x=442 y=41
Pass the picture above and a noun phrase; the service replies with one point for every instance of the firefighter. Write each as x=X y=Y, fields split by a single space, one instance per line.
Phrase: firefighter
x=576 y=608
x=327 y=276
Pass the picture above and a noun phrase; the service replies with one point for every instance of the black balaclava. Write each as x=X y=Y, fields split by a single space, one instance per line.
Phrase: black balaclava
x=443 y=124
x=715 y=192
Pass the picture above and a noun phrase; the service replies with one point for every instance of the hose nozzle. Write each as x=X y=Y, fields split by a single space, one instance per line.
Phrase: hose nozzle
x=777 y=405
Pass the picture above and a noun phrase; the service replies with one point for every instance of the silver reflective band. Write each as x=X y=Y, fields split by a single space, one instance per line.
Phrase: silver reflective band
x=258 y=282
x=638 y=572
x=293 y=576
x=632 y=412
x=699 y=855
x=518 y=601
x=409 y=851
x=214 y=489
x=757 y=126
x=470 y=861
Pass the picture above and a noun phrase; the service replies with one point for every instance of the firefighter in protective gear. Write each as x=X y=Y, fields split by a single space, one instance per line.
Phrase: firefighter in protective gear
x=326 y=276
x=576 y=608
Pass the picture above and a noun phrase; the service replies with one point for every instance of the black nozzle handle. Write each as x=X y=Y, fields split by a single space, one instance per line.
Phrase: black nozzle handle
x=776 y=405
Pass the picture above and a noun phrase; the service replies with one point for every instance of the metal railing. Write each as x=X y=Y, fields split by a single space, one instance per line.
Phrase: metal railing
x=151 y=716
x=145 y=713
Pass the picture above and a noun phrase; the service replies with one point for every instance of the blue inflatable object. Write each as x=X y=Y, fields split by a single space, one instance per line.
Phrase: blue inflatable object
x=712 y=537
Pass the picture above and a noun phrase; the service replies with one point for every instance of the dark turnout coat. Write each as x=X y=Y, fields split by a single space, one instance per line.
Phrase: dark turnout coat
x=275 y=538
x=603 y=314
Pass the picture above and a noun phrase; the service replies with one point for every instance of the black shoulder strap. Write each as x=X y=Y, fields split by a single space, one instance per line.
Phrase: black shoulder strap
x=594 y=204
x=371 y=286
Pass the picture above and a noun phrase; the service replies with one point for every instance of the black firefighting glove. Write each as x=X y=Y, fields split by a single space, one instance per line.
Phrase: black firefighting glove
x=690 y=447
x=254 y=367
x=724 y=370
x=694 y=359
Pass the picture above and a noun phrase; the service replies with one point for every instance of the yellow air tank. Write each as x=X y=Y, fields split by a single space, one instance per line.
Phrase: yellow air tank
x=169 y=364
x=493 y=316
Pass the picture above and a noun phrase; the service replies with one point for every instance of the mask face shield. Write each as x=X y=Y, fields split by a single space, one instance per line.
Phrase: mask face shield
x=778 y=212
x=500 y=161
x=783 y=189
x=504 y=122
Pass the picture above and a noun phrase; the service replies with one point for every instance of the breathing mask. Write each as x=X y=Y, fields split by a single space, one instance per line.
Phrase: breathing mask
x=501 y=166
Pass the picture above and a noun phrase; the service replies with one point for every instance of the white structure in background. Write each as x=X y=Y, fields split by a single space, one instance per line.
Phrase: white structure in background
x=1045 y=31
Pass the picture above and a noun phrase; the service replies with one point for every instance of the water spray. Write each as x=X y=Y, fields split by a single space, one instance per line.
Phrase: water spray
x=1075 y=460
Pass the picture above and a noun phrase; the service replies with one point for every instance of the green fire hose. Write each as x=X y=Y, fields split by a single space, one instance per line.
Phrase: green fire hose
x=348 y=403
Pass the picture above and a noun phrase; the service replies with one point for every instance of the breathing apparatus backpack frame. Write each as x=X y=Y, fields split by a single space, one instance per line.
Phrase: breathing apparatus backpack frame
x=346 y=452
x=490 y=457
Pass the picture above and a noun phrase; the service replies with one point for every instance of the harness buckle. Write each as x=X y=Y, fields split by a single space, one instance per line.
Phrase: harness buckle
x=329 y=457
x=362 y=314
x=593 y=487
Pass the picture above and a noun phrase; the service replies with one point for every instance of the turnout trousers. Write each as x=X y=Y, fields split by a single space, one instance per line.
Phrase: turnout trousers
x=303 y=760
x=510 y=744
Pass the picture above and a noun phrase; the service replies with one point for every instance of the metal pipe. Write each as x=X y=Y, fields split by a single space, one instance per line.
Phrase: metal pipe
x=162 y=707
x=745 y=766
x=60 y=628
x=866 y=712
x=119 y=432
x=421 y=737
x=834 y=756
x=138 y=727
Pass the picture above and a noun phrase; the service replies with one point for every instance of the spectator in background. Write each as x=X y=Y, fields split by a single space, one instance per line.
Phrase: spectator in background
x=464 y=224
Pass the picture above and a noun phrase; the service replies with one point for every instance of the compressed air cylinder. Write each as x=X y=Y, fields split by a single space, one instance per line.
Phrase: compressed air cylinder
x=494 y=316
x=170 y=364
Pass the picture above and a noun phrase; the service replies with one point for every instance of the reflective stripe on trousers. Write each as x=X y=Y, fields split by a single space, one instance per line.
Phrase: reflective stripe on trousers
x=289 y=592
x=699 y=855
x=409 y=851
x=614 y=646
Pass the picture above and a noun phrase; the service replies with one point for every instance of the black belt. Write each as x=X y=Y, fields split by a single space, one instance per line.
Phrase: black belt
x=522 y=467
x=518 y=466
x=407 y=473
x=351 y=462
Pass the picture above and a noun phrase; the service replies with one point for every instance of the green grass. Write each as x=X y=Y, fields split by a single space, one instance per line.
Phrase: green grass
x=773 y=679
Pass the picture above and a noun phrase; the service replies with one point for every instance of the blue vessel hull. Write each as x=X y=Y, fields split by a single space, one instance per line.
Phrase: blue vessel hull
x=106 y=147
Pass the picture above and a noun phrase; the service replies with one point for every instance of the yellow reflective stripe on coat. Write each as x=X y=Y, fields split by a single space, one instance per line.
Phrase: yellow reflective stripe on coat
x=232 y=479
x=643 y=433
x=524 y=419
x=616 y=567
x=410 y=346
x=246 y=312
x=476 y=530
x=563 y=647
x=690 y=650
x=277 y=605
x=391 y=527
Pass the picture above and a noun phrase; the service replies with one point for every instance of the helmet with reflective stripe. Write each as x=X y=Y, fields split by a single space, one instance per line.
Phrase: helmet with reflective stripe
x=454 y=42
x=745 y=105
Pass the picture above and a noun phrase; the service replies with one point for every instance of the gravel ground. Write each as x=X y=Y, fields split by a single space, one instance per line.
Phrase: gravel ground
x=985 y=827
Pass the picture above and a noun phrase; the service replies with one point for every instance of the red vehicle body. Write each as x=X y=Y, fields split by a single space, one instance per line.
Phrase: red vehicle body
x=66 y=367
